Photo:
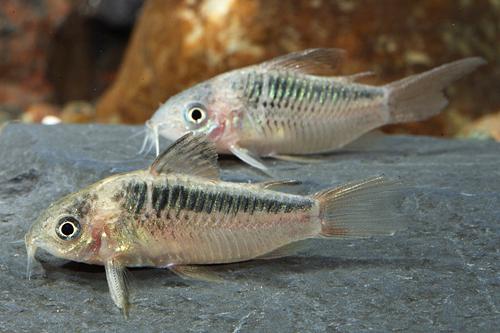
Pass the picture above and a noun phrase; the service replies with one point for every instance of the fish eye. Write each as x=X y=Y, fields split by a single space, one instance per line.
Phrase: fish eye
x=196 y=114
x=68 y=228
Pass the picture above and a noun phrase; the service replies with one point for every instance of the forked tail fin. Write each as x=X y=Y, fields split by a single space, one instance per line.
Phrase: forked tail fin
x=421 y=96
x=360 y=209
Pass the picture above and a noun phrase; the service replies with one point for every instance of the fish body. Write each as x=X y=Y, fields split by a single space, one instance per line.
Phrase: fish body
x=292 y=105
x=294 y=113
x=178 y=213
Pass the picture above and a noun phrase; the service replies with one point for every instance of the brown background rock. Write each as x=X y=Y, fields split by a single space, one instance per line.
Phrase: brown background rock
x=57 y=51
x=178 y=43
x=25 y=30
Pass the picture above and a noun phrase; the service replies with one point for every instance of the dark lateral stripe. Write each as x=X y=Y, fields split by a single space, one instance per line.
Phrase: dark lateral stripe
x=200 y=202
x=135 y=196
x=272 y=206
x=140 y=190
x=174 y=195
x=271 y=88
x=260 y=84
x=237 y=204
x=191 y=200
x=160 y=198
x=244 y=203
x=228 y=204
x=290 y=90
x=181 y=198
x=252 y=85
x=253 y=203
x=209 y=203
x=181 y=202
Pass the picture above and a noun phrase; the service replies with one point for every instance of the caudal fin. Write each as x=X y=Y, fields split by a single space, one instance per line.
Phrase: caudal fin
x=360 y=209
x=421 y=96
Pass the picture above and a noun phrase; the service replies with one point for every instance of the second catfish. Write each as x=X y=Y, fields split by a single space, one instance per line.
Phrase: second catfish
x=292 y=105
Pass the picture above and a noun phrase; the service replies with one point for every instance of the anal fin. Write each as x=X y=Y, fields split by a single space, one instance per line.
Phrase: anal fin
x=284 y=251
x=298 y=159
x=195 y=272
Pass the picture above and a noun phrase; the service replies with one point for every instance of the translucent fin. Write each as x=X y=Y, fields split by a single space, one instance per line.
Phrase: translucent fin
x=319 y=61
x=298 y=159
x=366 y=142
x=360 y=209
x=355 y=77
x=421 y=96
x=284 y=251
x=277 y=183
x=191 y=154
x=118 y=286
x=202 y=273
x=248 y=157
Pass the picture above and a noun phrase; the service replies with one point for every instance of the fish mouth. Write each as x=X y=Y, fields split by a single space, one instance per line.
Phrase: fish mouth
x=31 y=248
x=151 y=138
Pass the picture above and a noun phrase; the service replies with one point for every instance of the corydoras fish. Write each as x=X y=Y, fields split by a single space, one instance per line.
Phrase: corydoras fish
x=178 y=213
x=291 y=105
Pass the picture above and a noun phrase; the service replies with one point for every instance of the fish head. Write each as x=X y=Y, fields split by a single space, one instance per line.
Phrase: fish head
x=188 y=111
x=66 y=229
x=204 y=109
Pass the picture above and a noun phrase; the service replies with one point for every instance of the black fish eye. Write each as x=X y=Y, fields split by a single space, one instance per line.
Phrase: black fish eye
x=196 y=114
x=68 y=228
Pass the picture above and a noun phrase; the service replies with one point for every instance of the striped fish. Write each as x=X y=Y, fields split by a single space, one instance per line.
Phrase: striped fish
x=292 y=105
x=178 y=213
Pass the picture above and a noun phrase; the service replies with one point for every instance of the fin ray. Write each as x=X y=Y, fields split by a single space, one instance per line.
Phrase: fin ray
x=202 y=273
x=360 y=209
x=191 y=154
x=118 y=285
x=319 y=61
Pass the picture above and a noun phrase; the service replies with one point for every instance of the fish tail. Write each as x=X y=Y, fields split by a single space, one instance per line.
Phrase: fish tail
x=360 y=209
x=421 y=96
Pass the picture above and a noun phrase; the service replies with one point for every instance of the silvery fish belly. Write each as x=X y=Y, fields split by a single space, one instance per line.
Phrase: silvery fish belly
x=294 y=105
x=179 y=213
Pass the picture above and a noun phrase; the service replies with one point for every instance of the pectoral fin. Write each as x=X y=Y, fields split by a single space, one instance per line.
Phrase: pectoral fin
x=202 y=273
x=118 y=286
x=248 y=157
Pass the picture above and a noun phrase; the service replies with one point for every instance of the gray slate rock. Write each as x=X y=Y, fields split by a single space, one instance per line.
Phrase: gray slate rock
x=441 y=274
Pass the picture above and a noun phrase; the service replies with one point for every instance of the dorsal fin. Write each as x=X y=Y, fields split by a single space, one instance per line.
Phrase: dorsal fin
x=192 y=155
x=320 y=61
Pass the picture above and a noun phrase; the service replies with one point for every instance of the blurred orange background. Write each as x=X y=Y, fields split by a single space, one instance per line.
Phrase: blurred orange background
x=115 y=61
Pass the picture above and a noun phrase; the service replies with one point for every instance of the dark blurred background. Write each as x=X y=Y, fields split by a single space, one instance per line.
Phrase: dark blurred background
x=114 y=61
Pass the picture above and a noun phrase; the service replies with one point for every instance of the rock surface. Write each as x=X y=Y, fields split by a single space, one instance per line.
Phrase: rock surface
x=441 y=274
